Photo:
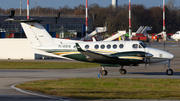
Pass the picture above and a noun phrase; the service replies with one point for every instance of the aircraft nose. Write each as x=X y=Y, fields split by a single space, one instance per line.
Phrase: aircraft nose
x=167 y=55
x=161 y=53
x=171 y=56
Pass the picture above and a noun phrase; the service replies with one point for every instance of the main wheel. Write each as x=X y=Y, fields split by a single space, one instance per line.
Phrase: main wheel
x=169 y=72
x=122 y=71
x=104 y=72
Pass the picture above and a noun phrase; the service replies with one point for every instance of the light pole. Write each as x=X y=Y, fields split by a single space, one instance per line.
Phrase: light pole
x=130 y=28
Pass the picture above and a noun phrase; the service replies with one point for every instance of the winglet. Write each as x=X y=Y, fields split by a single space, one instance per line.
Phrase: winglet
x=78 y=47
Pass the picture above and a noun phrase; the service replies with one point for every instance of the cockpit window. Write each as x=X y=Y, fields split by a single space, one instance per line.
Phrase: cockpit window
x=135 y=45
x=140 y=46
x=143 y=45
x=176 y=33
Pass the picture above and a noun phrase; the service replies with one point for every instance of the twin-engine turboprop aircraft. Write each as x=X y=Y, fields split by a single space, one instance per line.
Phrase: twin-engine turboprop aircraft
x=107 y=53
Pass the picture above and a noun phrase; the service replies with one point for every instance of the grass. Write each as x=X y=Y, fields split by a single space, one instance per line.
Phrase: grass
x=108 y=88
x=44 y=65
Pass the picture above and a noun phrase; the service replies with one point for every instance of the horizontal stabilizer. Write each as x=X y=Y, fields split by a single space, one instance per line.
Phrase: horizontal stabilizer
x=25 y=20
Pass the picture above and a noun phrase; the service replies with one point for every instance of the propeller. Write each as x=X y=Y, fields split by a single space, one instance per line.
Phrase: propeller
x=147 y=58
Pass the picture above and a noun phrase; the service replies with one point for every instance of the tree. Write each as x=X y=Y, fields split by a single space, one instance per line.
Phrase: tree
x=170 y=5
x=156 y=19
x=79 y=10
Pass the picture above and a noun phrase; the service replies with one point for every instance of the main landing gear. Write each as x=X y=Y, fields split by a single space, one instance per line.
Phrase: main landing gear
x=104 y=72
x=122 y=70
x=169 y=71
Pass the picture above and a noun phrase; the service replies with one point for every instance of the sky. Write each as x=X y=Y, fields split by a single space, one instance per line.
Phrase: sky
x=6 y=4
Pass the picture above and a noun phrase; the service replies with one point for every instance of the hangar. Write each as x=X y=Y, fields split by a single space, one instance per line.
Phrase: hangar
x=13 y=41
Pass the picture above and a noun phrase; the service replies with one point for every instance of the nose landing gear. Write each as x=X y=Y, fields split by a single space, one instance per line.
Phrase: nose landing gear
x=169 y=71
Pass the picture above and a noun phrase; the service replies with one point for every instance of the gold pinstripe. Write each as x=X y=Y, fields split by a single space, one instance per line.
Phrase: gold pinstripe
x=130 y=57
x=103 y=51
x=65 y=53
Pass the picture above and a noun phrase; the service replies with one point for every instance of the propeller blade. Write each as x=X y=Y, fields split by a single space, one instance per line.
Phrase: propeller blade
x=147 y=58
x=146 y=63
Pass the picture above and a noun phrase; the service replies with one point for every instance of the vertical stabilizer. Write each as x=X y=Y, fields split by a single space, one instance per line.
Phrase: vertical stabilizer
x=37 y=34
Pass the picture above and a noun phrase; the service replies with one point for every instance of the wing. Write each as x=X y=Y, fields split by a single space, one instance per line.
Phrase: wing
x=94 y=56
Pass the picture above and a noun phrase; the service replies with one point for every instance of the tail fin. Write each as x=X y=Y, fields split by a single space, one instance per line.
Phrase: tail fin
x=37 y=34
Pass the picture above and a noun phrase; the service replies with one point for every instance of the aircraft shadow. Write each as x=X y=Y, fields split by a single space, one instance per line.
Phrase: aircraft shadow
x=155 y=73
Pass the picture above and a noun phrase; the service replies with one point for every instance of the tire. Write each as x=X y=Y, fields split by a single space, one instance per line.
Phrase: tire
x=122 y=71
x=104 y=72
x=169 y=72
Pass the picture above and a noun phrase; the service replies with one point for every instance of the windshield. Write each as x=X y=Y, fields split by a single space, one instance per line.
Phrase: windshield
x=143 y=45
x=176 y=33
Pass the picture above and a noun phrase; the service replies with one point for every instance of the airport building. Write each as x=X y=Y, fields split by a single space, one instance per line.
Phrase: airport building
x=13 y=41
x=53 y=26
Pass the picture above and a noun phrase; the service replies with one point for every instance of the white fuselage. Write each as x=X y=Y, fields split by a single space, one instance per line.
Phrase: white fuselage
x=126 y=46
x=108 y=48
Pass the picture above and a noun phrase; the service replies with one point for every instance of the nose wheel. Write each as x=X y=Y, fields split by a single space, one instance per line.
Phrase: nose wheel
x=169 y=71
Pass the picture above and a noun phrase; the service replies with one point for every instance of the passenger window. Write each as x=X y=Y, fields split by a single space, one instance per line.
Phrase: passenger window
x=102 y=46
x=108 y=46
x=134 y=45
x=114 y=46
x=121 y=46
x=87 y=47
x=96 y=46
